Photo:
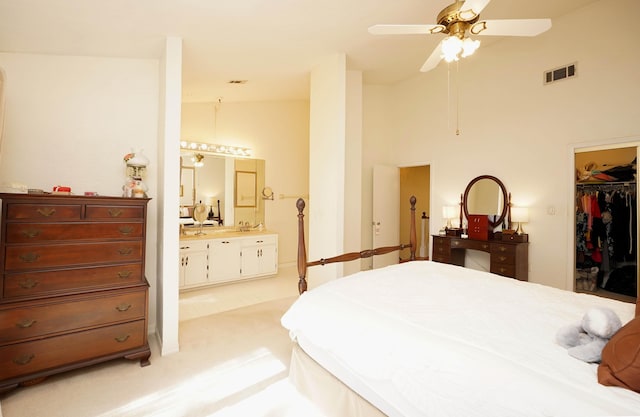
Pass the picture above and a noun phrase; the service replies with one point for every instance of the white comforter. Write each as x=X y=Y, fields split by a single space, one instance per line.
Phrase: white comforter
x=430 y=339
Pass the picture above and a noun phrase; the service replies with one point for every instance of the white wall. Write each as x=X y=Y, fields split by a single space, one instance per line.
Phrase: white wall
x=70 y=120
x=170 y=87
x=276 y=131
x=325 y=216
x=514 y=127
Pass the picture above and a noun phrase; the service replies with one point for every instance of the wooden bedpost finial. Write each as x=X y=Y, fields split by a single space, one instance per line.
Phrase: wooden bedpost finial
x=413 y=201
x=302 y=251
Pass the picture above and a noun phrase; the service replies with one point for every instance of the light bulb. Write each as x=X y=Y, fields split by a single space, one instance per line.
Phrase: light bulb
x=451 y=47
x=469 y=46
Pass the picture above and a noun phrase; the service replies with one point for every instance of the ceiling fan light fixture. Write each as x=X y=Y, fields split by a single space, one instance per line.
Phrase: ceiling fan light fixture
x=478 y=27
x=469 y=46
x=467 y=14
x=451 y=47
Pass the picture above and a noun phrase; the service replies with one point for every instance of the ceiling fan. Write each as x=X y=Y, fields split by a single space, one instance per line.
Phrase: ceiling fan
x=459 y=20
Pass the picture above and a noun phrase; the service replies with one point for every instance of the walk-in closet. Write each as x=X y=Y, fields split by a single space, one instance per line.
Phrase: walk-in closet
x=606 y=220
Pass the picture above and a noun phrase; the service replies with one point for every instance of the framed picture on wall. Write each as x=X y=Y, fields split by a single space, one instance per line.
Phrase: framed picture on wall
x=245 y=189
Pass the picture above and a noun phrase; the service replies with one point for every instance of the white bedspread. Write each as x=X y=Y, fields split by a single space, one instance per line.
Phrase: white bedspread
x=430 y=339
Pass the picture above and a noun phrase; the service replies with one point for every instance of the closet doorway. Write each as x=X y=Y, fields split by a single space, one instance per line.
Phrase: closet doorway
x=606 y=227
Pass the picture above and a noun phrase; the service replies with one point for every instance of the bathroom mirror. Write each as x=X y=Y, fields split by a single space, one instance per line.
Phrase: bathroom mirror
x=486 y=194
x=216 y=181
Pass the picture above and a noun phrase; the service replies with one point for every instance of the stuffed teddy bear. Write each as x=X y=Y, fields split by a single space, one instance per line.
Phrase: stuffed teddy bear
x=586 y=340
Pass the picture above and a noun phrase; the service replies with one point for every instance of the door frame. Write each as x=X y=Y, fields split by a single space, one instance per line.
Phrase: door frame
x=613 y=143
x=404 y=206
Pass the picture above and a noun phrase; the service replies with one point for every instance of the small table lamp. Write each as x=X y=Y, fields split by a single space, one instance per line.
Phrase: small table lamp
x=449 y=212
x=520 y=215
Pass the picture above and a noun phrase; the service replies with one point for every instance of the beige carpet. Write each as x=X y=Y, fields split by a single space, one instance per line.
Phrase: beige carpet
x=233 y=363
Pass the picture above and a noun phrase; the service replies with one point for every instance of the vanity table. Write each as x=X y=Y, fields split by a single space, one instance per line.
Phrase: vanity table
x=486 y=198
x=507 y=258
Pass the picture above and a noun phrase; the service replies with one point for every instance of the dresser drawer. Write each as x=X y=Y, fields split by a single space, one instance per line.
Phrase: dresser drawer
x=110 y=212
x=40 y=355
x=499 y=249
x=23 y=323
x=39 y=232
x=44 y=283
x=507 y=270
x=33 y=257
x=44 y=212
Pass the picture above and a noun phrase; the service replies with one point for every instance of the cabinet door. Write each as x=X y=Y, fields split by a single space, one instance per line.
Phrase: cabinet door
x=224 y=260
x=194 y=263
x=250 y=260
x=269 y=259
x=260 y=256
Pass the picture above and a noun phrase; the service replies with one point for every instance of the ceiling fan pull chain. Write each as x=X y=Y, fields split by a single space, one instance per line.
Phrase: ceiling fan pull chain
x=457 y=98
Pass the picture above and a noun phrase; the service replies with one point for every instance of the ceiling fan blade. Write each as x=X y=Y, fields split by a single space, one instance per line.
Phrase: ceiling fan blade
x=405 y=29
x=433 y=60
x=511 y=27
x=472 y=8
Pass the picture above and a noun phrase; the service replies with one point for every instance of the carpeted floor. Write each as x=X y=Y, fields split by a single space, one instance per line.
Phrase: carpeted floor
x=233 y=363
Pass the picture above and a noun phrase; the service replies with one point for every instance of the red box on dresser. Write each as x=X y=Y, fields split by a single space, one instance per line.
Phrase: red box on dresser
x=478 y=227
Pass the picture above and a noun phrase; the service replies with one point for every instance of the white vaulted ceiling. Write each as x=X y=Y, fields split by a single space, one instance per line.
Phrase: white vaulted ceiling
x=273 y=44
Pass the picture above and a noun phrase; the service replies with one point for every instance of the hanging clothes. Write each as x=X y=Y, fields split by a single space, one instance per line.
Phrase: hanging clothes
x=606 y=245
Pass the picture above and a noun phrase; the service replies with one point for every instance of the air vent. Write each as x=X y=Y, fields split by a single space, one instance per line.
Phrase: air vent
x=561 y=73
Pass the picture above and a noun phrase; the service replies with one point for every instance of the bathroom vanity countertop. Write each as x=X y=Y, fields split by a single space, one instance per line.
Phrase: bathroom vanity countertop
x=216 y=233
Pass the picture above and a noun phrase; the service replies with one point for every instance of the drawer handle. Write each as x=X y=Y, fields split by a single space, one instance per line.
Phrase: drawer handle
x=23 y=359
x=125 y=251
x=503 y=258
x=485 y=246
x=47 y=211
x=126 y=230
x=502 y=270
x=31 y=233
x=123 y=307
x=25 y=323
x=28 y=283
x=502 y=248
x=115 y=212
x=122 y=339
x=124 y=274
x=455 y=243
x=29 y=257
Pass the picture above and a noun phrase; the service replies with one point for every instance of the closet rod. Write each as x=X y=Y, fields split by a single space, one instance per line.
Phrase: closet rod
x=612 y=185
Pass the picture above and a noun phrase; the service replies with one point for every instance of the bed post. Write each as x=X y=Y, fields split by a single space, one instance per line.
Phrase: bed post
x=412 y=234
x=302 y=250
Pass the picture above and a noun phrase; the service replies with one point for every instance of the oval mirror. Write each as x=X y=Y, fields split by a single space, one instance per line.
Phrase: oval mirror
x=487 y=195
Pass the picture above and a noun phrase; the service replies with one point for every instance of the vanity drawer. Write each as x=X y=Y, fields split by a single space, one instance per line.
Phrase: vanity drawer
x=23 y=323
x=33 y=257
x=502 y=250
x=40 y=355
x=38 y=232
x=111 y=212
x=441 y=251
x=507 y=270
x=44 y=283
x=44 y=212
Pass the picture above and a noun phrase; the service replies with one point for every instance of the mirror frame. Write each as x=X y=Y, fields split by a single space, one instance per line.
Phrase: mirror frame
x=505 y=198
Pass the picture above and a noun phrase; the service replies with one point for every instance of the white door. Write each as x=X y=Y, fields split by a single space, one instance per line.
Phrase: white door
x=386 y=212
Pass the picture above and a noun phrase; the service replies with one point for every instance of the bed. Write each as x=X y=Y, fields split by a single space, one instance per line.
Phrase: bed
x=422 y=338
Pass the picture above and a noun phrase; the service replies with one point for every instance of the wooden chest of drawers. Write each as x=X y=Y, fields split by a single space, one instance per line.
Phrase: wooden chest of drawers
x=72 y=289
x=510 y=259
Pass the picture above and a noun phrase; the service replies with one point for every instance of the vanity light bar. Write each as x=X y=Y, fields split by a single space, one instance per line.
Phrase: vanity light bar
x=214 y=148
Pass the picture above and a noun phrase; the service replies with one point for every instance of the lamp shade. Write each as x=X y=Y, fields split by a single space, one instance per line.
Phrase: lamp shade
x=519 y=214
x=449 y=212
